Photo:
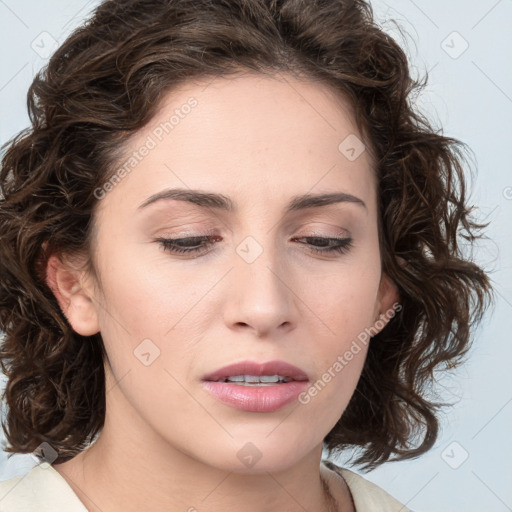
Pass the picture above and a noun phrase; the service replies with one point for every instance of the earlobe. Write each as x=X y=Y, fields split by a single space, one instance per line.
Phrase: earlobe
x=76 y=303
x=388 y=299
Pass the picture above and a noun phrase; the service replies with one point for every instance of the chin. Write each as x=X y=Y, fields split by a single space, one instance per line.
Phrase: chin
x=259 y=454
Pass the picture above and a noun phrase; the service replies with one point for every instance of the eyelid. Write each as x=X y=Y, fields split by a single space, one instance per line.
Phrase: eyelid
x=213 y=232
x=192 y=233
x=314 y=231
x=339 y=232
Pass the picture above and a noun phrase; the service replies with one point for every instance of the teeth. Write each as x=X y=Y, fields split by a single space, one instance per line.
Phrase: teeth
x=255 y=380
x=236 y=378
x=269 y=378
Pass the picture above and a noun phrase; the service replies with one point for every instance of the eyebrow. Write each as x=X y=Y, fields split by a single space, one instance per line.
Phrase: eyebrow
x=221 y=202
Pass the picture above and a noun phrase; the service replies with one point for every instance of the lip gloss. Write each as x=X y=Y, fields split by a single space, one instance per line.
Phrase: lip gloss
x=262 y=398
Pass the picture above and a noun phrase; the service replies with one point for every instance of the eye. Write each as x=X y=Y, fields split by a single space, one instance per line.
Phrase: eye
x=190 y=245
x=201 y=244
x=342 y=245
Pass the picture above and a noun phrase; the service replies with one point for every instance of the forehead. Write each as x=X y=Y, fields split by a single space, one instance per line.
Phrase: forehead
x=256 y=135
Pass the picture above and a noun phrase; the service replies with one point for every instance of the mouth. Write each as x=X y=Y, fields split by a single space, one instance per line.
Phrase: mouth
x=255 y=380
x=250 y=386
x=254 y=374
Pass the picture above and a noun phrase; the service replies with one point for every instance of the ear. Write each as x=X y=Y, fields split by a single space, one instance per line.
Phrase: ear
x=76 y=301
x=387 y=302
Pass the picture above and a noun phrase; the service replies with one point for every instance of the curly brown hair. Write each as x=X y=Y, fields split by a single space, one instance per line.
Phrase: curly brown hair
x=106 y=82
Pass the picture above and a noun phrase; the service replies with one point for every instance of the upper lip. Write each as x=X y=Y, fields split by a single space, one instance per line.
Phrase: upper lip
x=275 y=367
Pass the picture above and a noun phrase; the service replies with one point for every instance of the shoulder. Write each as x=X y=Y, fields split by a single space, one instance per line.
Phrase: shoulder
x=42 y=489
x=367 y=496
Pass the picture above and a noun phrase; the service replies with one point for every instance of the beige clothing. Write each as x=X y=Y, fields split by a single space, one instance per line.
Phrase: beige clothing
x=43 y=489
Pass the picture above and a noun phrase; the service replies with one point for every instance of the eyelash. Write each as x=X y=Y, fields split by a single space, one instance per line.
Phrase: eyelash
x=169 y=244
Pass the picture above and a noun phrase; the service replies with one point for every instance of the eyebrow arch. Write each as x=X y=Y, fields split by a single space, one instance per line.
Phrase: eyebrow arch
x=222 y=202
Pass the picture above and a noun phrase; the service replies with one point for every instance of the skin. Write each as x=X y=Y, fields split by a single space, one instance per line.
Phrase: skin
x=167 y=444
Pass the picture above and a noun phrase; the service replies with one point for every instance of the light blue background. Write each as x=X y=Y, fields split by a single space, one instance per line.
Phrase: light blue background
x=470 y=97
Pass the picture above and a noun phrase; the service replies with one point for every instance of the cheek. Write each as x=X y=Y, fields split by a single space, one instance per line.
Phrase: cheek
x=153 y=318
x=345 y=300
x=328 y=396
x=142 y=300
x=143 y=315
x=343 y=304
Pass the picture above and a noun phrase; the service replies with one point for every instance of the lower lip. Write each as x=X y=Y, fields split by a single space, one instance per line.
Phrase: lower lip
x=256 y=398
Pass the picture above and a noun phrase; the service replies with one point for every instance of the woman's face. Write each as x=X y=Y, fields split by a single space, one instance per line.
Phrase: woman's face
x=256 y=289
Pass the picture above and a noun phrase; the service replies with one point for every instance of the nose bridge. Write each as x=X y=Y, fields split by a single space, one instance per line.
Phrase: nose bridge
x=260 y=246
x=259 y=261
x=261 y=297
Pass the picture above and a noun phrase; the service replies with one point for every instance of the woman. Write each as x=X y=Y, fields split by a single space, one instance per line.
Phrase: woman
x=228 y=242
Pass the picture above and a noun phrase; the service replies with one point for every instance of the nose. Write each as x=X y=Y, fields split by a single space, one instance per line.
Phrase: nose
x=261 y=297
